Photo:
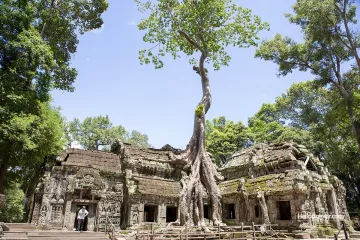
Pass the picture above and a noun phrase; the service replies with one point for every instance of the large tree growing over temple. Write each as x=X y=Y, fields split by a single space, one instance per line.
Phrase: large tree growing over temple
x=200 y=29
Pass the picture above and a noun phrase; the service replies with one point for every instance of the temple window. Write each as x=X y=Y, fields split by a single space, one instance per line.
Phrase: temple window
x=230 y=211
x=56 y=213
x=284 y=210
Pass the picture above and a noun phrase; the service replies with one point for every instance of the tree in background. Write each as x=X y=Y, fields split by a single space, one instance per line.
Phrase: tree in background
x=37 y=40
x=98 y=133
x=200 y=30
x=323 y=114
x=13 y=208
x=224 y=137
x=33 y=137
x=331 y=52
x=331 y=44
x=138 y=139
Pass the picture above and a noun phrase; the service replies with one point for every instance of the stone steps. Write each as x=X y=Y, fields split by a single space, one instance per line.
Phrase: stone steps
x=52 y=235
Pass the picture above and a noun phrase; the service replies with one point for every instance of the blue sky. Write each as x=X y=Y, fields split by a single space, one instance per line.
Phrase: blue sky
x=161 y=103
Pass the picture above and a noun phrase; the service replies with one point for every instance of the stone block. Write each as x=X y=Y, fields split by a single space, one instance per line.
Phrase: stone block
x=302 y=236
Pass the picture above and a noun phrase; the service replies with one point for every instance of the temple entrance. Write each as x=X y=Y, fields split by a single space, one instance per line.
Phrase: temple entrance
x=207 y=211
x=171 y=214
x=284 y=210
x=150 y=213
x=85 y=225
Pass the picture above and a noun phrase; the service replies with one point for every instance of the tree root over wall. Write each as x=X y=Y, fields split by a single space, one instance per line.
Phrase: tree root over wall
x=197 y=164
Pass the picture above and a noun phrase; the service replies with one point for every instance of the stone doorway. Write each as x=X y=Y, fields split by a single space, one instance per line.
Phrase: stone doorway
x=150 y=213
x=85 y=225
x=90 y=220
x=171 y=214
x=207 y=212
x=284 y=210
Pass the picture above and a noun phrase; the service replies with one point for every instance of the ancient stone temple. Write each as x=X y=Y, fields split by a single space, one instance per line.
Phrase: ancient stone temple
x=281 y=184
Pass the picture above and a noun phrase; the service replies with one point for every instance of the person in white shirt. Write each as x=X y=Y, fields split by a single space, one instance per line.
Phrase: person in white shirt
x=80 y=218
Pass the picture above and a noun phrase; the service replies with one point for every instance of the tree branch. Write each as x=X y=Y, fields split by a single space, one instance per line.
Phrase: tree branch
x=190 y=40
x=348 y=34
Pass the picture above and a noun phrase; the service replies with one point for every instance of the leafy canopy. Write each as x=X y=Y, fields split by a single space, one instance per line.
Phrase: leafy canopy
x=13 y=207
x=327 y=44
x=190 y=26
x=37 y=40
x=224 y=137
x=98 y=133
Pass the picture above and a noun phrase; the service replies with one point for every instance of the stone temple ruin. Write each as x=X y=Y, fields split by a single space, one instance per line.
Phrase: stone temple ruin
x=278 y=183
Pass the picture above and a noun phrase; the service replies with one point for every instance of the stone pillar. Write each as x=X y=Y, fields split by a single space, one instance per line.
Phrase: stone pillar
x=237 y=212
x=45 y=211
x=67 y=221
x=91 y=217
x=36 y=211
x=247 y=206
x=335 y=206
x=161 y=219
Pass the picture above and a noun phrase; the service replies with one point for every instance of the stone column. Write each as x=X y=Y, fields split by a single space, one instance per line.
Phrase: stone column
x=335 y=206
x=36 y=211
x=162 y=214
x=67 y=222
x=247 y=206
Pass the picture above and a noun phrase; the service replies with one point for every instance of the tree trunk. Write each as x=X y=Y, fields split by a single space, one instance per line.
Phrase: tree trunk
x=264 y=208
x=200 y=170
x=3 y=171
x=354 y=124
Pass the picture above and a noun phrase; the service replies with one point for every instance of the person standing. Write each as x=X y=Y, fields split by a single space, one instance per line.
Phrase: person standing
x=80 y=218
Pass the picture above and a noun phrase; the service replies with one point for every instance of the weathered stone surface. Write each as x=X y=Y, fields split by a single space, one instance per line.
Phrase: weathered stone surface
x=282 y=172
x=302 y=236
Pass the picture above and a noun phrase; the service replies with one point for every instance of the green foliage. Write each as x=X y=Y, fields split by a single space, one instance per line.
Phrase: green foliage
x=96 y=132
x=199 y=111
x=224 y=137
x=13 y=208
x=37 y=40
x=187 y=27
x=268 y=125
x=138 y=139
x=329 y=109
x=32 y=136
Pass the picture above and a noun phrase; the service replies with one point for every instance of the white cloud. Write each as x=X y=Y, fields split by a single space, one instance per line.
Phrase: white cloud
x=88 y=59
x=98 y=30
x=131 y=23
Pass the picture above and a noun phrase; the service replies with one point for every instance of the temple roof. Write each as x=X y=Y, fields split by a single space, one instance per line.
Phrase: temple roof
x=157 y=187
x=267 y=153
x=90 y=158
